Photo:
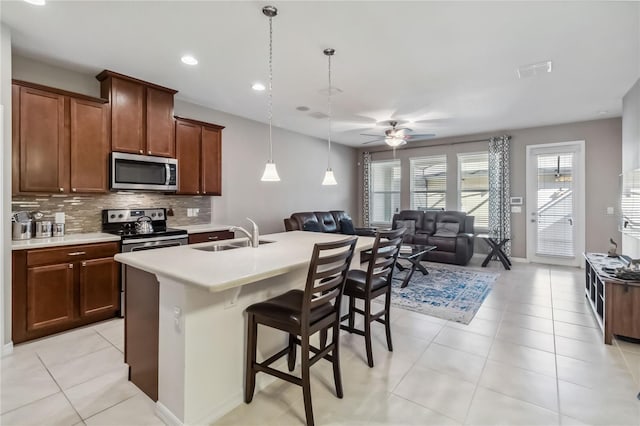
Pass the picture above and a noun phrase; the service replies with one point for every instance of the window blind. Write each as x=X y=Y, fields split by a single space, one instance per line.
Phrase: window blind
x=555 y=236
x=429 y=182
x=384 y=198
x=474 y=187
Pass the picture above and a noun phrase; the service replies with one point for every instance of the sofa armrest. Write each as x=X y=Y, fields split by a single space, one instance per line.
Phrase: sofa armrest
x=464 y=248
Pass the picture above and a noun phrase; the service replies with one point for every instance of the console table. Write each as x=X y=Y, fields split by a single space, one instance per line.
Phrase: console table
x=615 y=302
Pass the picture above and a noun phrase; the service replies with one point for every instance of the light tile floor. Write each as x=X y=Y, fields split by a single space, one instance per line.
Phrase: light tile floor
x=532 y=355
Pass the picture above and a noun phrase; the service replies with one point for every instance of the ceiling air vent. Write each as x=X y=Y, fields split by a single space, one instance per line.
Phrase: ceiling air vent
x=532 y=70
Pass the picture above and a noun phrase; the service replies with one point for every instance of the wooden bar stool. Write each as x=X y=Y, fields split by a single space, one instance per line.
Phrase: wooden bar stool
x=303 y=313
x=372 y=283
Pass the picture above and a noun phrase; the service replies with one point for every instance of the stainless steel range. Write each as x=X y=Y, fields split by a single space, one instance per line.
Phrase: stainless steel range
x=141 y=229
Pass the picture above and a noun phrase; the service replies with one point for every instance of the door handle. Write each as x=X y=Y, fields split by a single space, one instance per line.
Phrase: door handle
x=213 y=238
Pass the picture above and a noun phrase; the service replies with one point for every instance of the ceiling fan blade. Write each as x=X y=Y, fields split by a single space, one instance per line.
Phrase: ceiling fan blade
x=371 y=134
x=368 y=142
x=421 y=136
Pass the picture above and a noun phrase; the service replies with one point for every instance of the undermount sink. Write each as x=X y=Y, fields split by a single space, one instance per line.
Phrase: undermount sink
x=230 y=246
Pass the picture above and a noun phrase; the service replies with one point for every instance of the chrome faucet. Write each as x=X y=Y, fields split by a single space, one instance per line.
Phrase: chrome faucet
x=253 y=236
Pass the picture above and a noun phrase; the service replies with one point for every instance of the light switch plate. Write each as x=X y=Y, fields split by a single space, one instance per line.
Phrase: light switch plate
x=516 y=209
x=610 y=210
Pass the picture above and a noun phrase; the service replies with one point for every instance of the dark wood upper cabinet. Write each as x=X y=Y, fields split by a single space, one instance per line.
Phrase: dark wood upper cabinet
x=41 y=136
x=160 y=123
x=59 y=142
x=141 y=115
x=188 y=155
x=127 y=115
x=211 y=161
x=199 y=154
x=89 y=146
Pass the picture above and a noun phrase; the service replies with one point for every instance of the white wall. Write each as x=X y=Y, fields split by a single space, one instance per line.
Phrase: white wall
x=5 y=182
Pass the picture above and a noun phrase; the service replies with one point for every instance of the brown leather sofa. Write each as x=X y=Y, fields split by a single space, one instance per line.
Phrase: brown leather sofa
x=323 y=222
x=456 y=247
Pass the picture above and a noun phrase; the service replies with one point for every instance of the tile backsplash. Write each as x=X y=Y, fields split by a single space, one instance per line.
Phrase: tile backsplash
x=83 y=213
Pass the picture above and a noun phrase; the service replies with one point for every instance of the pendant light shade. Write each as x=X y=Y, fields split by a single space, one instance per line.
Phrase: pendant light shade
x=329 y=178
x=270 y=172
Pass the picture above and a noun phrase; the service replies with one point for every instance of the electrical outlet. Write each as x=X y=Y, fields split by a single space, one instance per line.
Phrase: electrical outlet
x=609 y=210
x=196 y=212
x=190 y=213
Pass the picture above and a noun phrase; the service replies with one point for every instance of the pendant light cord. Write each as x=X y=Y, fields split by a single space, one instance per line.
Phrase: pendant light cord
x=270 y=87
x=329 y=115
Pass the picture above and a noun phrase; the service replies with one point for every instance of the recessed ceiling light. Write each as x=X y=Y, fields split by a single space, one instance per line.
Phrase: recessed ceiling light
x=36 y=2
x=603 y=112
x=189 y=60
x=534 y=69
x=258 y=87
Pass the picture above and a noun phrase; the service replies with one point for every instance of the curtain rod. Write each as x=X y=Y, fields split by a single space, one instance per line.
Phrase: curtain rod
x=435 y=144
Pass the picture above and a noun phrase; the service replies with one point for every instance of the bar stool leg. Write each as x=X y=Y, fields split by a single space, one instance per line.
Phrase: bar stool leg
x=352 y=314
x=323 y=339
x=306 y=382
x=387 y=321
x=250 y=372
x=291 y=357
x=335 y=354
x=367 y=331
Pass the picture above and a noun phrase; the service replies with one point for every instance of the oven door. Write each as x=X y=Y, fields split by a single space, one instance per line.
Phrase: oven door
x=129 y=246
x=143 y=172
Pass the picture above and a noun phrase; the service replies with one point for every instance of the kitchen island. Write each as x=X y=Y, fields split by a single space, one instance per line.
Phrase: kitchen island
x=185 y=323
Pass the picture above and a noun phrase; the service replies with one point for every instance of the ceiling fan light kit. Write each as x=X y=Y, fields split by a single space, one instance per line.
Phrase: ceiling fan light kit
x=397 y=136
x=270 y=172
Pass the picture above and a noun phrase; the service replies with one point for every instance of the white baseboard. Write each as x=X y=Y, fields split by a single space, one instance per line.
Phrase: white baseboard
x=166 y=415
x=519 y=259
x=7 y=349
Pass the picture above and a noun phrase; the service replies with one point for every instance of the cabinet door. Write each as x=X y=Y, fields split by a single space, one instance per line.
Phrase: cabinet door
x=160 y=123
x=42 y=141
x=49 y=296
x=89 y=146
x=207 y=237
x=211 y=162
x=188 y=155
x=127 y=116
x=99 y=291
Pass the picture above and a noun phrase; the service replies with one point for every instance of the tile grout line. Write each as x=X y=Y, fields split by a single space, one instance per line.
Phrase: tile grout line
x=555 y=350
x=60 y=387
x=107 y=408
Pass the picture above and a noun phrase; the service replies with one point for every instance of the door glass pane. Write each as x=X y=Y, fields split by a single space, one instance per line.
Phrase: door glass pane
x=429 y=182
x=554 y=215
x=384 y=191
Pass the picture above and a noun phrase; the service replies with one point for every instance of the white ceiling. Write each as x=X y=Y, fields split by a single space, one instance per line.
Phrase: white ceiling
x=451 y=66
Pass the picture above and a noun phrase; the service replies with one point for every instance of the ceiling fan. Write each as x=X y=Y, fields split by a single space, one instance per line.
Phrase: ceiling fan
x=397 y=136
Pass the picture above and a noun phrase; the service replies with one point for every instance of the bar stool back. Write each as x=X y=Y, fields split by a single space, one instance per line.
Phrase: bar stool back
x=303 y=313
x=375 y=282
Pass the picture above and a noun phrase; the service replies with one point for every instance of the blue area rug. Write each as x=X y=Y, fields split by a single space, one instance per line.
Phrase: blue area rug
x=453 y=293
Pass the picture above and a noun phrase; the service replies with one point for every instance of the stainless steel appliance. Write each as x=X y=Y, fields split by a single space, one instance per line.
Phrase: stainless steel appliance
x=124 y=222
x=143 y=172
x=21 y=230
x=44 y=229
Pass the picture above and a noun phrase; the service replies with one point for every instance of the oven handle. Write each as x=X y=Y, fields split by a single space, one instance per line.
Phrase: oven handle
x=159 y=245
x=151 y=239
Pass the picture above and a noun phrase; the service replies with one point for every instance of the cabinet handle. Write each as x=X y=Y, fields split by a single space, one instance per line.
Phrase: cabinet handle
x=204 y=192
x=84 y=264
x=149 y=152
x=71 y=266
x=213 y=238
x=61 y=189
x=77 y=253
x=73 y=190
x=197 y=192
x=141 y=152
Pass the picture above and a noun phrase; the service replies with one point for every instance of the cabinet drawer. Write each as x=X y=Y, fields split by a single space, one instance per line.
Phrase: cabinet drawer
x=205 y=237
x=70 y=253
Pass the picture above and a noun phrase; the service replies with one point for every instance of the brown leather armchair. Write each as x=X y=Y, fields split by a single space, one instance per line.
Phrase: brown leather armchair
x=456 y=248
x=323 y=222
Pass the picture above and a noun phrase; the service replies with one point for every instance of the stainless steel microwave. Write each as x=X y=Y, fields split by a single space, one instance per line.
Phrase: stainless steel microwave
x=143 y=172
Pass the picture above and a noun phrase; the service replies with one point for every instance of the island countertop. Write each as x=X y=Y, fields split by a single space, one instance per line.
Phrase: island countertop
x=222 y=270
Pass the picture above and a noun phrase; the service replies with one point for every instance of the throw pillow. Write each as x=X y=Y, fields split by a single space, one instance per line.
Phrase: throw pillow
x=447 y=229
x=410 y=225
x=347 y=226
x=312 y=226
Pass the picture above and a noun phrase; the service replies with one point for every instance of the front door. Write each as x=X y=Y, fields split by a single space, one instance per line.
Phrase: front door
x=555 y=203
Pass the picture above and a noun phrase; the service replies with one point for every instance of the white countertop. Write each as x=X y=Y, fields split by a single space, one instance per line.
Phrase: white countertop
x=222 y=270
x=67 y=240
x=207 y=227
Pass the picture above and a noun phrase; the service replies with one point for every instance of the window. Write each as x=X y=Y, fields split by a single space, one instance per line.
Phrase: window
x=384 y=199
x=474 y=187
x=429 y=182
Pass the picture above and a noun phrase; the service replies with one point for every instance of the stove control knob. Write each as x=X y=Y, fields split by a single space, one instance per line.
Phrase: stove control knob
x=153 y=215
x=113 y=216
x=160 y=215
x=120 y=216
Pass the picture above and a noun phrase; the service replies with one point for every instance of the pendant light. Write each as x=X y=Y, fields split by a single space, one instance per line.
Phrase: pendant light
x=329 y=178
x=270 y=172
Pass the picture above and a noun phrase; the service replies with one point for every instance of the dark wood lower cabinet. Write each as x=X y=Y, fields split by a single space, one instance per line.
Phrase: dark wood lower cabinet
x=49 y=296
x=55 y=289
x=207 y=237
